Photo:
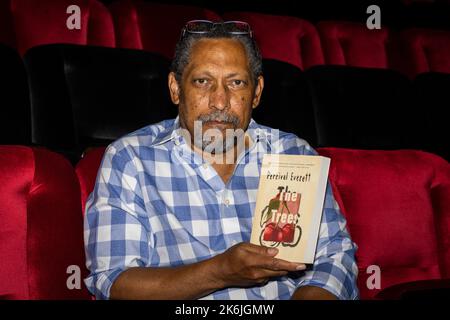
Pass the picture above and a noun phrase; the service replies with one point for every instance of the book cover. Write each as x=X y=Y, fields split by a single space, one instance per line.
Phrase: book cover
x=289 y=205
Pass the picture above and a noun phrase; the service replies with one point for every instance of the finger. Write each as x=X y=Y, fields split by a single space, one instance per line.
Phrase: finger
x=279 y=264
x=261 y=249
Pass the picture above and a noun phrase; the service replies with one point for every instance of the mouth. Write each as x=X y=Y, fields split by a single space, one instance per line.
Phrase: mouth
x=218 y=123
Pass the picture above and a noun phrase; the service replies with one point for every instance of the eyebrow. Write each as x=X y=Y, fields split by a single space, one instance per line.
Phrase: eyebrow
x=231 y=75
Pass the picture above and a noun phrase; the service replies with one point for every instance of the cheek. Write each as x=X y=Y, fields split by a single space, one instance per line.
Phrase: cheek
x=241 y=106
x=239 y=101
x=196 y=102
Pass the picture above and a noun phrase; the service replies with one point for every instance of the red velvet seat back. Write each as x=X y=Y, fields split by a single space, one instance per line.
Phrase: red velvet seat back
x=425 y=50
x=153 y=27
x=283 y=38
x=43 y=22
x=352 y=44
x=396 y=204
x=86 y=170
x=41 y=233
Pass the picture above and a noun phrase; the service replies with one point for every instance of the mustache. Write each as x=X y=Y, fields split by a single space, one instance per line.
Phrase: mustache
x=219 y=116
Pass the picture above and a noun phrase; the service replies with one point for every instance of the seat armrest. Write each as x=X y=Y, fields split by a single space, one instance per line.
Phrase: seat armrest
x=415 y=290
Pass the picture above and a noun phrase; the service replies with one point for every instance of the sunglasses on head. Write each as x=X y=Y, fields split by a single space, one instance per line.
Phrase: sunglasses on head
x=206 y=26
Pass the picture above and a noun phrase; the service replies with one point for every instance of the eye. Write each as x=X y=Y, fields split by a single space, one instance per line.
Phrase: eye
x=237 y=83
x=201 y=82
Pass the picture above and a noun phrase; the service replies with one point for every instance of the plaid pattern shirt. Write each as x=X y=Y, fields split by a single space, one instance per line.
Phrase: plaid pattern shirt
x=157 y=203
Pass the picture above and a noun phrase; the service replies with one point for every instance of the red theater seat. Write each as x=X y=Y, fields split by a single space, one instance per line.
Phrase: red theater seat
x=397 y=205
x=153 y=27
x=425 y=50
x=41 y=232
x=32 y=23
x=283 y=38
x=86 y=170
x=353 y=44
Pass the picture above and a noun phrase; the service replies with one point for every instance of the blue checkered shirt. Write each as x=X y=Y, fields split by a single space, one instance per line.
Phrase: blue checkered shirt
x=157 y=203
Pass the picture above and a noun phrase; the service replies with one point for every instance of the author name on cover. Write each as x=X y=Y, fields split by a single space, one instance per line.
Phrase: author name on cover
x=291 y=176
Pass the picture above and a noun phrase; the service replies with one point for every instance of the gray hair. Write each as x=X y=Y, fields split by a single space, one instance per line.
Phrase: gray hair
x=185 y=44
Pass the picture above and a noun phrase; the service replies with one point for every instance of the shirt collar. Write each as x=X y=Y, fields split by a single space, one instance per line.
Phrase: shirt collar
x=254 y=131
x=169 y=134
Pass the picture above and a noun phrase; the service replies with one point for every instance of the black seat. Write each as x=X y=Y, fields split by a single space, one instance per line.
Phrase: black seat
x=432 y=98
x=86 y=96
x=363 y=108
x=286 y=102
x=15 y=103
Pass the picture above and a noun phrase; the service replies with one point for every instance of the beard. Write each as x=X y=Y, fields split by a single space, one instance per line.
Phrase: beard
x=215 y=140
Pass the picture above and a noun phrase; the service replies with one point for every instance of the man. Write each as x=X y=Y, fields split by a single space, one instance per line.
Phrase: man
x=170 y=219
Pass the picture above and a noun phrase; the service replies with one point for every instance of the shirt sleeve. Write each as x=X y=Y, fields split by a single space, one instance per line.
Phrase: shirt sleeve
x=334 y=267
x=116 y=231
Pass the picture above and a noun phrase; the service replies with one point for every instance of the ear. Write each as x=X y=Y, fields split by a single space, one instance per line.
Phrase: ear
x=174 y=88
x=258 y=91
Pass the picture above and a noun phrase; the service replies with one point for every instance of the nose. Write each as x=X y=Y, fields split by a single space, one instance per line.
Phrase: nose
x=219 y=97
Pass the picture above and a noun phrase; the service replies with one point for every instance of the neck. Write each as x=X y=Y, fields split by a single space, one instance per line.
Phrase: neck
x=224 y=163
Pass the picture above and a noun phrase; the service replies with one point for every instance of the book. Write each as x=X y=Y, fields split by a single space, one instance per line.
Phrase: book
x=289 y=205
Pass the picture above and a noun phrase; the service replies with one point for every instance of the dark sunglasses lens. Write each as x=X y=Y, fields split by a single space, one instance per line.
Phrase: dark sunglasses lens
x=199 y=26
x=236 y=26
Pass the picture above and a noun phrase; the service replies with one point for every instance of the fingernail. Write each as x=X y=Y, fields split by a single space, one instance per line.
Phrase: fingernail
x=272 y=251
x=301 y=267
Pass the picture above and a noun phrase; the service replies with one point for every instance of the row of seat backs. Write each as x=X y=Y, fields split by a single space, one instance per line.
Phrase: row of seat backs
x=147 y=26
x=396 y=204
x=85 y=96
x=88 y=96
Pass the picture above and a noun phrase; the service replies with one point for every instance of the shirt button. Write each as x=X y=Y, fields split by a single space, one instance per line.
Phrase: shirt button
x=177 y=142
x=227 y=202
x=205 y=166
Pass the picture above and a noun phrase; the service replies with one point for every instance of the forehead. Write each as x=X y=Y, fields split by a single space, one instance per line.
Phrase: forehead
x=222 y=52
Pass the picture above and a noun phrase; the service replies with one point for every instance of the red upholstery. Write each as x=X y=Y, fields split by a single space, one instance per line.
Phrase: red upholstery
x=284 y=38
x=397 y=208
x=86 y=170
x=425 y=50
x=353 y=44
x=43 y=22
x=153 y=27
x=41 y=231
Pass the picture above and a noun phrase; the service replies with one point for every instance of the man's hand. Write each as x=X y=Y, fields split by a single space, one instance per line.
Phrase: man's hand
x=247 y=264
x=242 y=265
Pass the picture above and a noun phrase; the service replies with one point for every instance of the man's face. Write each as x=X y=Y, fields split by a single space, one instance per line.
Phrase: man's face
x=216 y=87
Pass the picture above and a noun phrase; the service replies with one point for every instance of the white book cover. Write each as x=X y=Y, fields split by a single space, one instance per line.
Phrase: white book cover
x=289 y=205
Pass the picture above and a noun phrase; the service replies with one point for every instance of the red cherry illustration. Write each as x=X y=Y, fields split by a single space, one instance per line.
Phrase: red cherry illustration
x=288 y=232
x=270 y=232
x=279 y=235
